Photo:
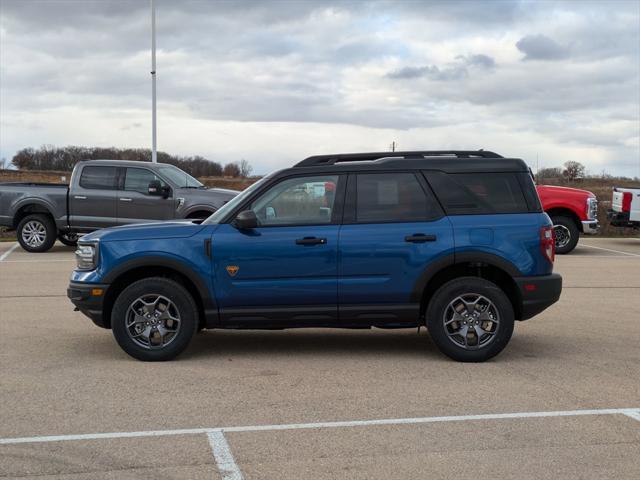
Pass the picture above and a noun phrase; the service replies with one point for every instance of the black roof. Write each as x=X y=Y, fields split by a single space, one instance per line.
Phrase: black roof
x=445 y=160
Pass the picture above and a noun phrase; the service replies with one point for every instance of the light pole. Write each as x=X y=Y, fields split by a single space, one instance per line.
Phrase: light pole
x=154 y=152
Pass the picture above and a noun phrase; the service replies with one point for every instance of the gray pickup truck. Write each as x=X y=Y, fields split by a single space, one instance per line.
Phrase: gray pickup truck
x=104 y=193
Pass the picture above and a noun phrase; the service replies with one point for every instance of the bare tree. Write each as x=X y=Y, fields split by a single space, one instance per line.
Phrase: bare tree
x=573 y=170
x=549 y=172
x=231 y=170
x=245 y=168
x=64 y=159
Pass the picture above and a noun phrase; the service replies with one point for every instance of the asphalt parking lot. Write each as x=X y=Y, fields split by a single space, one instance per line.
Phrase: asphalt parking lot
x=562 y=401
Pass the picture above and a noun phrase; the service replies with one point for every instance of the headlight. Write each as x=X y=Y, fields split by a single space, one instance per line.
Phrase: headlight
x=592 y=208
x=86 y=257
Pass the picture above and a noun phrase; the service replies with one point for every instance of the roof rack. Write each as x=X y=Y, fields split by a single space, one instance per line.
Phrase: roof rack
x=319 y=160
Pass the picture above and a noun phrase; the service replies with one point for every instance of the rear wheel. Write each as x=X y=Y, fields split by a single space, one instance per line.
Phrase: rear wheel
x=566 y=233
x=154 y=319
x=36 y=233
x=470 y=319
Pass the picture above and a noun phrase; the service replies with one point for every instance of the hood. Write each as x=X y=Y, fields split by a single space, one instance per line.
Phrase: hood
x=146 y=231
x=569 y=190
x=210 y=192
x=225 y=191
x=215 y=197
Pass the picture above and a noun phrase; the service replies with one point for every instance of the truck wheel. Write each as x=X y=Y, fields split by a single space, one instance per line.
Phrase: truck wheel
x=470 y=319
x=567 y=234
x=36 y=233
x=154 y=319
x=69 y=239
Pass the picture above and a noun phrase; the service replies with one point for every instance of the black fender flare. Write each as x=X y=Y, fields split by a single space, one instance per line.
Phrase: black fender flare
x=198 y=208
x=209 y=304
x=26 y=202
x=457 y=259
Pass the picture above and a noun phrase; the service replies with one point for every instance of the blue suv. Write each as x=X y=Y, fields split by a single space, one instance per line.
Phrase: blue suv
x=453 y=240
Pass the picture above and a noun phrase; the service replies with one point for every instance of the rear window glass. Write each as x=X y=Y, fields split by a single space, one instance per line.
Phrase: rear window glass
x=530 y=192
x=478 y=193
x=103 y=178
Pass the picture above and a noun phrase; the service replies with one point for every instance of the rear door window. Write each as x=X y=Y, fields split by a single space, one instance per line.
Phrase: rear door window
x=392 y=197
x=478 y=193
x=98 y=178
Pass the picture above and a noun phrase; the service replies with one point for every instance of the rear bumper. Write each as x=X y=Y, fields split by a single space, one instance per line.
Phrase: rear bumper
x=83 y=296
x=538 y=293
x=590 y=227
x=621 y=219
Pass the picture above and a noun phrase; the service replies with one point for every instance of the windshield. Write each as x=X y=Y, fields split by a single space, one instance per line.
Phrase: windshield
x=222 y=212
x=179 y=178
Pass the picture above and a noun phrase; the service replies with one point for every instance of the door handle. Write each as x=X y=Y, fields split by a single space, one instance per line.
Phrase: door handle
x=311 y=241
x=125 y=199
x=80 y=197
x=420 y=238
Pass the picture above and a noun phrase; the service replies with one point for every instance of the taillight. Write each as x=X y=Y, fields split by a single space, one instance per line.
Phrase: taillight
x=548 y=243
x=626 y=201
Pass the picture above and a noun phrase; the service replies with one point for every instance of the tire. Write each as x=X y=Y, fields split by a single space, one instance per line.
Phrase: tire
x=69 y=239
x=178 y=305
x=487 y=345
x=567 y=234
x=37 y=233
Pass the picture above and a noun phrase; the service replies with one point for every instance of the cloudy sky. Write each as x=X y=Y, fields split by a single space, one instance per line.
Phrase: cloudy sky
x=273 y=82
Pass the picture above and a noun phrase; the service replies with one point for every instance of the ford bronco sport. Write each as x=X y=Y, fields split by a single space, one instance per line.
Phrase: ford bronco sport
x=454 y=240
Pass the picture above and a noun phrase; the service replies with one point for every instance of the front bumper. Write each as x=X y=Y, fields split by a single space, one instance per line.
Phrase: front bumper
x=538 y=293
x=590 y=227
x=89 y=299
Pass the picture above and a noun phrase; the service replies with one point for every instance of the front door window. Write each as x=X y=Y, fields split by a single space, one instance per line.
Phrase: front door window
x=298 y=201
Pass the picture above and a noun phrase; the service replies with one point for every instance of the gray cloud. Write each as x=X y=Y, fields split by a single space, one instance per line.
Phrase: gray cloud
x=479 y=60
x=541 y=47
x=455 y=71
x=400 y=66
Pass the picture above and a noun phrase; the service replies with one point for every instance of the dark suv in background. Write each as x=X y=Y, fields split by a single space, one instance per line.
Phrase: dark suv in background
x=454 y=240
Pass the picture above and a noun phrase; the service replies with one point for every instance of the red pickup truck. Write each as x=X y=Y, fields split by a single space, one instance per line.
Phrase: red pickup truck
x=572 y=211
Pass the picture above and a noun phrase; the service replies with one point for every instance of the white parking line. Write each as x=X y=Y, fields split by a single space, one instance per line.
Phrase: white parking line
x=597 y=256
x=635 y=415
x=6 y=254
x=631 y=412
x=40 y=261
x=227 y=465
x=611 y=250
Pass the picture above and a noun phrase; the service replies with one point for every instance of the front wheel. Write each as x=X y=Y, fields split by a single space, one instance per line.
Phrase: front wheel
x=566 y=233
x=470 y=319
x=69 y=239
x=154 y=319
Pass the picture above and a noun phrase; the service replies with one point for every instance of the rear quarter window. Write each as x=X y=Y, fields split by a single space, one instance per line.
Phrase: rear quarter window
x=478 y=193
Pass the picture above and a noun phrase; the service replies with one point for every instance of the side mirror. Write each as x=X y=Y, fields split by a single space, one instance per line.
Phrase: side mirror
x=246 y=220
x=157 y=189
